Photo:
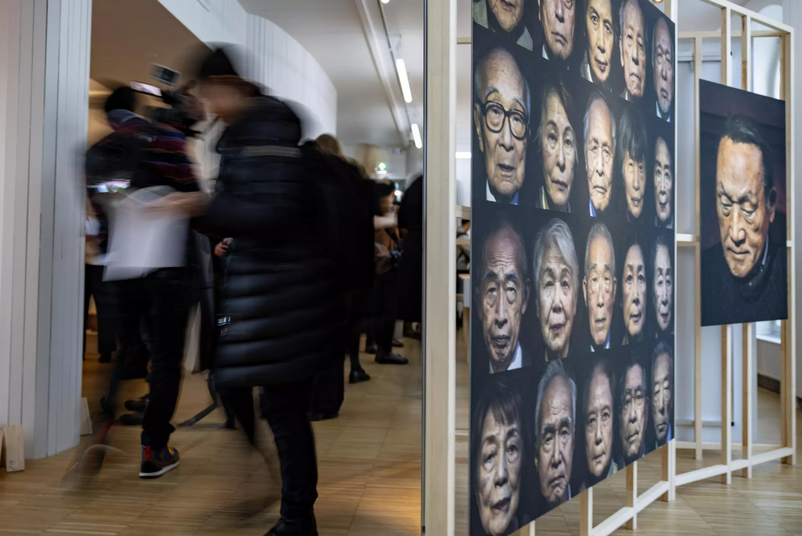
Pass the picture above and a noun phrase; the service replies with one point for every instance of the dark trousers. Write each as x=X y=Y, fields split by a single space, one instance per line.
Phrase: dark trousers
x=284 y=406
x=354 y=330
x=161 y=300
x=385 y=310
x=103 y=292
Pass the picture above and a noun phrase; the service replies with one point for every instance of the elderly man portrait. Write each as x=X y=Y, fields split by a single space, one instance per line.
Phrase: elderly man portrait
x=501 y=115
x=600 y=132
x=600 y=34
x=504 y=17
x=634 y=411
x=662 y=393
x=633 y=291
x=632 y=46
x=499 y=451
x=558 y=147
x=631 y=157
x=744 y=275
x=599 y=421
x=663 y=284
x=599 y=286
x=663 y=184
x=558 y=18
x=503 y=297
x=556 y=271
x=663 y=68
x=555 y=428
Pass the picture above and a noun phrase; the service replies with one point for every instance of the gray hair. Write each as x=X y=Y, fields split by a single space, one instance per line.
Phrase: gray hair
x=479 y=97
x=621 y=11
x=553 y=371
x=654 y=38
x=557 y=235
x=597 y=95
x=599 y=231
x=662 y=348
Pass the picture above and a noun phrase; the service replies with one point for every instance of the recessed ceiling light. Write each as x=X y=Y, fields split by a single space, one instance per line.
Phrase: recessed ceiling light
x=404 y=79
x=388 y=1
x=416 y=136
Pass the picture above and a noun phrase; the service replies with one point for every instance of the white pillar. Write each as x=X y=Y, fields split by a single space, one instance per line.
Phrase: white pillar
x=44 y=97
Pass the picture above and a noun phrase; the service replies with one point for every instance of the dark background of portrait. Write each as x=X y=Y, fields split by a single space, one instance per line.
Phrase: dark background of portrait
x=718 y=103
x=529 y=220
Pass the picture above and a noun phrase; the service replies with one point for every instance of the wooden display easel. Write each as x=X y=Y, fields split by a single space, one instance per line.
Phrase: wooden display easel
x=439 y=426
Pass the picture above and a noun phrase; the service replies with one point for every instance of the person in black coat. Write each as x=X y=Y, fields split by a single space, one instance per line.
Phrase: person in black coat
x=282 y=309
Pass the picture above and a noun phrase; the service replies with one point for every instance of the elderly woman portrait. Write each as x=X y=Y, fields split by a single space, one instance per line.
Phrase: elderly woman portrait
x=556 y=269
x=558 y=147
x=499 y=452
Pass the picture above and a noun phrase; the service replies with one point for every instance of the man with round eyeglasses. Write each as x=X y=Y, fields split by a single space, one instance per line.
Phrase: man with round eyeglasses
x=501 y=116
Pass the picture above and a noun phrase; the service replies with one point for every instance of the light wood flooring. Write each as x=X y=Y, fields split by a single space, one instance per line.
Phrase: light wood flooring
x=369 y=461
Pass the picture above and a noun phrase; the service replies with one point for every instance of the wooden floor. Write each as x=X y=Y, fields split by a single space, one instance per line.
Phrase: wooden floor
x=369 y=462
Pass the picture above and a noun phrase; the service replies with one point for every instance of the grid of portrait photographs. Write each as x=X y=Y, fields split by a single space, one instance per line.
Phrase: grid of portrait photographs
x=743 y=199
x=572 y=274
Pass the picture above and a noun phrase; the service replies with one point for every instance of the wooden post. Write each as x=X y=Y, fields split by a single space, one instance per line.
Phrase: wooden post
x=669 y=469
x=439 y=335
x=586 y=513
x=747 y=355
x=726 y=402
x=632 y=493
x=15 y=448
x=788 y=384
x=697 y=257
x=86 y=418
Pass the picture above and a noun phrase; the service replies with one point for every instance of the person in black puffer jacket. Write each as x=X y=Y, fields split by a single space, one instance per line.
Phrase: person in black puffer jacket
x=282 y=309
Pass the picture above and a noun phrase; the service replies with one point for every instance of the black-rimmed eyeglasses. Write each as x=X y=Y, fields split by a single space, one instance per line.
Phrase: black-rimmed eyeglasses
x=496 y=116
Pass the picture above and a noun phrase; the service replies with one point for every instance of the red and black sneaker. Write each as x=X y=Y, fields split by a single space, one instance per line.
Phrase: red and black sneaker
x=156 y=462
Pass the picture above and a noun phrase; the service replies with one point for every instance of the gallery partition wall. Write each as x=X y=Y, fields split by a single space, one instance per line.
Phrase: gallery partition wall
x=576 y=264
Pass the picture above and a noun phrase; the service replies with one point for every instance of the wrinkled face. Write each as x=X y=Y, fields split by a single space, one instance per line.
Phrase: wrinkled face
x=634 y=291
x=743 y=217
x=599 y=151
x=635 y=184
x=554 y=458
x=556 y=302
x=599 y=425
x=599 y=22
x=502 y=124
x=504 y=296
x=632 y=43
x=557 y=17
x=662 y=399
x=558 y=143
x=599 y=287
x=508 y=13
x=633 y=413
x=663 y=288
x=663 y=182
x=499 y=474
x=663 y=66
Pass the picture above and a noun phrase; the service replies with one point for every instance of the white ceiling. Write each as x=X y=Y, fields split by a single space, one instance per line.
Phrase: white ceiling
x=334 y=33
x=128 y=36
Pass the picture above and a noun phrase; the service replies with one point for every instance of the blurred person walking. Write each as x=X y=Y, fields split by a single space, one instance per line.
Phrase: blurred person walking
x=283 y=309
x=157 y=159
x=95 y=287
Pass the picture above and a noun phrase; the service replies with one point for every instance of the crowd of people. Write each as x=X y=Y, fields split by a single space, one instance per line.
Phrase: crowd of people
x=293 y=257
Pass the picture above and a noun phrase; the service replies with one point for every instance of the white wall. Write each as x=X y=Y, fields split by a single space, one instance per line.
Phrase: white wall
x=212 y=21
x=44 y=95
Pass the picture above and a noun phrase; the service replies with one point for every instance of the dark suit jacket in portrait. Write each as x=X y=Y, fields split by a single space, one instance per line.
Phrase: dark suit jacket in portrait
x=763 y=295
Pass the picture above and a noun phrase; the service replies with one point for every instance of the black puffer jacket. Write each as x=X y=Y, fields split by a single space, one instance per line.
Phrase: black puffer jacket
x=280 y=298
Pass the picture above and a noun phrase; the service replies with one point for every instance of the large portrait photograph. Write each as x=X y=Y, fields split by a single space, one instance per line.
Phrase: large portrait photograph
x=743 y=206
x=573 y=245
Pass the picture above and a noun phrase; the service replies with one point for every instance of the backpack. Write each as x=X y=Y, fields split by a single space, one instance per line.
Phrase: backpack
x=116 y=161
x=349 y=219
